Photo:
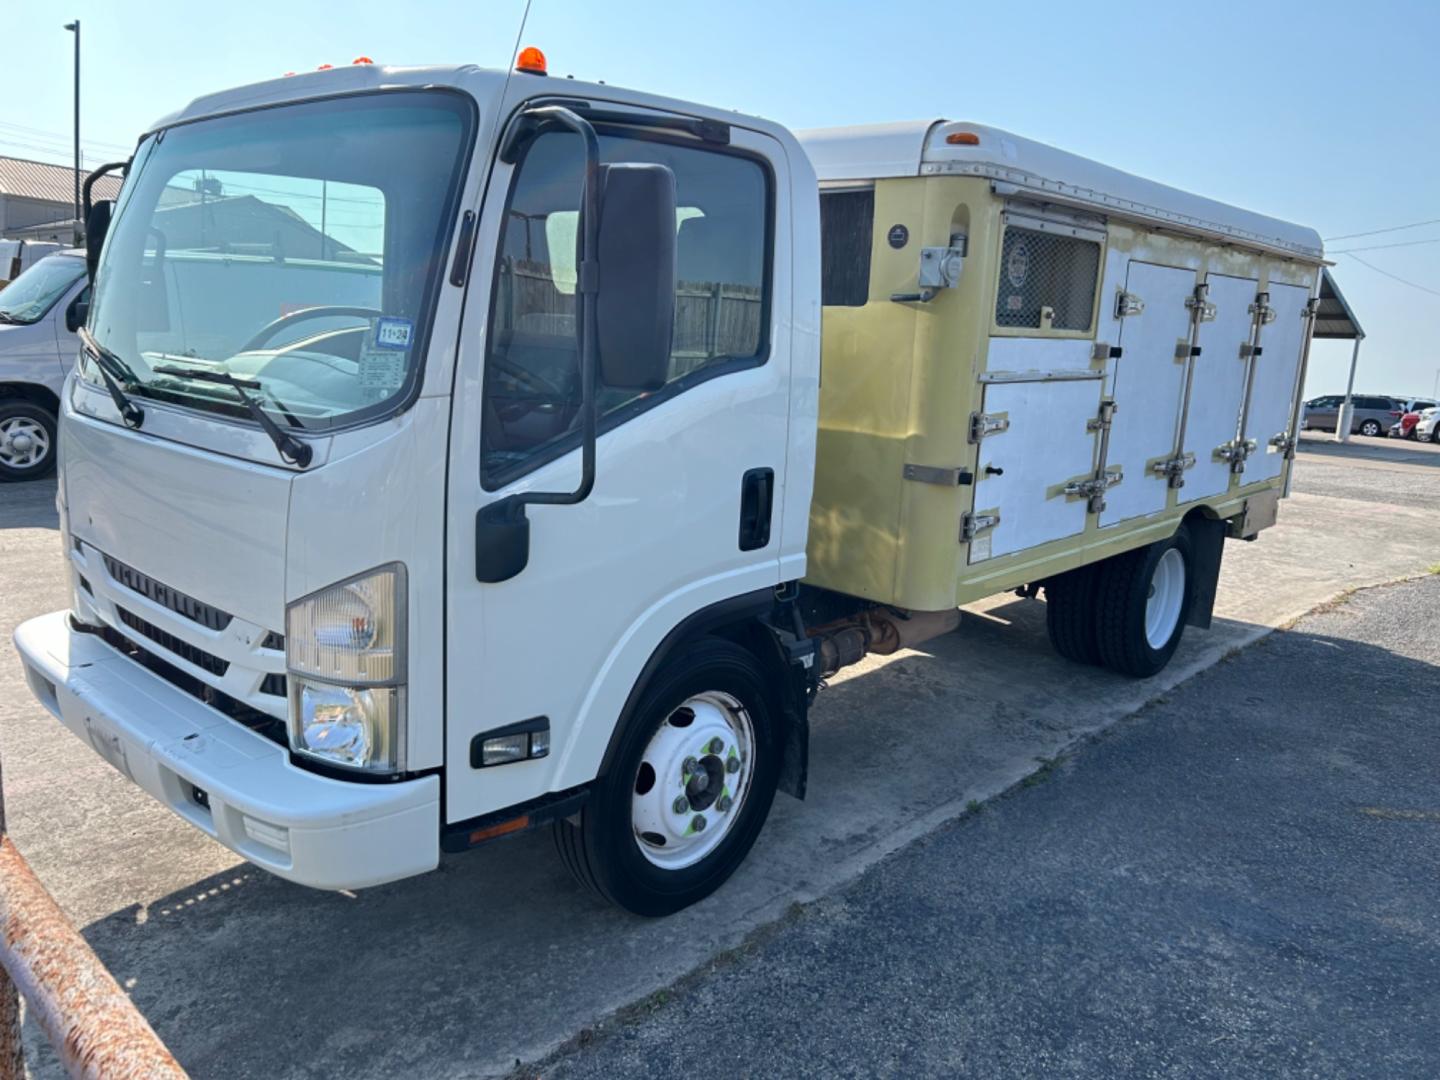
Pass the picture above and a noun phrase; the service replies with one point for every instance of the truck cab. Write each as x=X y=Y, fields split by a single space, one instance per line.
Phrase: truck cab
x=442 y=443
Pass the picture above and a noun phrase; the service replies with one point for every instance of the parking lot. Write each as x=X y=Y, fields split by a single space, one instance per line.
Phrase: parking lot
x=498 y=957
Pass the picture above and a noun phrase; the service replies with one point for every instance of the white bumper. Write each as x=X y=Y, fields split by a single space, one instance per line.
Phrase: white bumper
x=330 y=834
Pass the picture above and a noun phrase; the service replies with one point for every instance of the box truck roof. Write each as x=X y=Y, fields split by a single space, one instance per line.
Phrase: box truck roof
x=1024 y=167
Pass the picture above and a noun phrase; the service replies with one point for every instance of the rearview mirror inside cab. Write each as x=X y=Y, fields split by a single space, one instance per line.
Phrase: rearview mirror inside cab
x=635 y=302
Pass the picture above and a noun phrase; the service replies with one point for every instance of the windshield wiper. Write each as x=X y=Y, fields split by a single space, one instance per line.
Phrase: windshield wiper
x=112 y=369
x=6 y=317
x=290 y=448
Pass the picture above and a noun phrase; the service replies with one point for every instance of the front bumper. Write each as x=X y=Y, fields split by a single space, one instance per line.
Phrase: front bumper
x=329 y=834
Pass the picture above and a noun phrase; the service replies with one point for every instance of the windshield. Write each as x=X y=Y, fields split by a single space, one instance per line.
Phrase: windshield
x=33 y=293
x=300 y=247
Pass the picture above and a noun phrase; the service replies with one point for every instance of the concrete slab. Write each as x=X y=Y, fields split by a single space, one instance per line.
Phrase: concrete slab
x=498 y=957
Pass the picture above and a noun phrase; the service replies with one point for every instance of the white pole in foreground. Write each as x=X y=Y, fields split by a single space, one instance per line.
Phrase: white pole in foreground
x=1342 y=422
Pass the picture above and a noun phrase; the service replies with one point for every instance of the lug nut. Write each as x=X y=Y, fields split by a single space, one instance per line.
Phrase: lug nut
x=717 y=744
x=733 y=765
x=698 y=823
x=723 y=803
x=682 y=805
x=690 y=766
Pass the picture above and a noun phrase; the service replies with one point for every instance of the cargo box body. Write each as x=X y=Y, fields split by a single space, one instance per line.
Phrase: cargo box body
x=1107 y=356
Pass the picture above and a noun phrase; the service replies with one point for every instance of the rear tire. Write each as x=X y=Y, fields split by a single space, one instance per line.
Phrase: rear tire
x=723 y=690
x=1370 y=428
x=1144 y=600
x=1071 y=600
x=28 y=445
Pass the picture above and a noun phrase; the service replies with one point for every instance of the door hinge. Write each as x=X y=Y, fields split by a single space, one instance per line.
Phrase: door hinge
x=1093 y=489
x=1285 y=443
x=1201 y=310
x=1174 y=469
x=934 y=474
x=1104 y=418
x=1235 y=453
x=1263 y=313
x=985 y=424
x=1127 y=303
x=972 y=524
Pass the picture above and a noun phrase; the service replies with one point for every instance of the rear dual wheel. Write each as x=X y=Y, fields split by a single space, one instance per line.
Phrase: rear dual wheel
x=688 y=790
x=1128 y=612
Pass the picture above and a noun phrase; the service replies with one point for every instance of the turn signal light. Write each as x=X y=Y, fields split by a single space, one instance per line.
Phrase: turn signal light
x=963 y=138
x=531 y=61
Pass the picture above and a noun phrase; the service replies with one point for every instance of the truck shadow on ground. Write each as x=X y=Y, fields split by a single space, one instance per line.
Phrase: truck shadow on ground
x=29 y=505
x=498 y=954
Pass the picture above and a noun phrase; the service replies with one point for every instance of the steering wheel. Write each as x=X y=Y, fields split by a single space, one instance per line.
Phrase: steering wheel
x=323 y=311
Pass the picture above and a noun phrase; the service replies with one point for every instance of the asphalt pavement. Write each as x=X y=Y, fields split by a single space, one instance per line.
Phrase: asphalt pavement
x=1239 y=880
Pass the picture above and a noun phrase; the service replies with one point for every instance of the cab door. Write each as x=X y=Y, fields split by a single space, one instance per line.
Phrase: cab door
x=690 y=480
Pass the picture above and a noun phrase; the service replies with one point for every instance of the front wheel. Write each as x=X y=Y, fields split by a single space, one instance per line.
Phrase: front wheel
x=1144 y=600
x=27 y=441
x=688 y=790
x=1435 y=434
x=1370 y=428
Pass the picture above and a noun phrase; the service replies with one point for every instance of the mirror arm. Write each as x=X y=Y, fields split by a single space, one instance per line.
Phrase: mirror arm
x=87 y=201
x=502 y=531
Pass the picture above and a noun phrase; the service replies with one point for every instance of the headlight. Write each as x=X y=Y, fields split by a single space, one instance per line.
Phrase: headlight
x=345 y=652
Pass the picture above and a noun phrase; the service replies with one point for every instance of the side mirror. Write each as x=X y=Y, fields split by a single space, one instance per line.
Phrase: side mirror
x=635 y=301
x=78 y=313
x=97 y=224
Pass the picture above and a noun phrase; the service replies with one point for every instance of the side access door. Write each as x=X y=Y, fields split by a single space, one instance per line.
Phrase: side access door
x=1217 y=388
x=690 y=480
x=1276 y=380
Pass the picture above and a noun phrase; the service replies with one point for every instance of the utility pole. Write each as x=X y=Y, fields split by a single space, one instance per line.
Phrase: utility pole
x=74 y=28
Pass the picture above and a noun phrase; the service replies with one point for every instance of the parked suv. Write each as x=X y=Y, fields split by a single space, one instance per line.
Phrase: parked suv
x=36 y=348
x=1372 y=414
x=1428 y=426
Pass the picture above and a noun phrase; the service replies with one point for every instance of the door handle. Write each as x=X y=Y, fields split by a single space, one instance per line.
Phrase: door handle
x=757 y=496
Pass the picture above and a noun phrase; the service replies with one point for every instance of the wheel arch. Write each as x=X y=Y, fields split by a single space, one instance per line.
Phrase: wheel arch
x=34 y=393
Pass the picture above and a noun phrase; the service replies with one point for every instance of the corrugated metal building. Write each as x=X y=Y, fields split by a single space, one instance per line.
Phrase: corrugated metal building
x=37 y=199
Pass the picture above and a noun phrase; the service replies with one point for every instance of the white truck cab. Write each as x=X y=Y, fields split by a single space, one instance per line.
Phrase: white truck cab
x=447 y=449
x=473 y=549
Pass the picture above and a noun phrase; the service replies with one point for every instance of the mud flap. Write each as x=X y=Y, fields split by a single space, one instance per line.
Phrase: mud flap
x=1207 y=545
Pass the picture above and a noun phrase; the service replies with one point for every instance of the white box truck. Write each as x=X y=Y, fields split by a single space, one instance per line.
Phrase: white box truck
x=449 y=455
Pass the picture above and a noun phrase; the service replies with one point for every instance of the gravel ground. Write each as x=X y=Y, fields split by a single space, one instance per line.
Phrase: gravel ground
x=1240 y=880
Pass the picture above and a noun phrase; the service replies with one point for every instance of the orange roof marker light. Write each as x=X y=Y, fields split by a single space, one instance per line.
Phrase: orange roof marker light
x=962 y=138
x=531 y=61
x=361 y=60
x=325 y=67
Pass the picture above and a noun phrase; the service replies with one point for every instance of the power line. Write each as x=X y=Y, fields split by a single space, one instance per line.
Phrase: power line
x=1395 y=277
x=1377 y=232
x=1383 y=247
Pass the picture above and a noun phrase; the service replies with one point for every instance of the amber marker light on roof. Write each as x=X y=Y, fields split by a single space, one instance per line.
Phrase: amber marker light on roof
x=531 y=61
x=962 y=138
x=362 y=60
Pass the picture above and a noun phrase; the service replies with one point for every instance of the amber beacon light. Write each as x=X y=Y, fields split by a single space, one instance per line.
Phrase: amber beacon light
x=531 y=61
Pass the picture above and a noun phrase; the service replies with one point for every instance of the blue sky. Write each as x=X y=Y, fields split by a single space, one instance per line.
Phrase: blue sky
x=1321 y=112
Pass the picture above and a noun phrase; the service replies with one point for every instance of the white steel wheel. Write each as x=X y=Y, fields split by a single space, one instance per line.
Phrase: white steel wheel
x=24 y=442
x=693 y=779
x=1166 y=599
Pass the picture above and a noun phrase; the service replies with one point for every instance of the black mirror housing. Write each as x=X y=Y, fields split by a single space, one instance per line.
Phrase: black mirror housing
x=76 y=315
x=97 y=224
x=635 y=300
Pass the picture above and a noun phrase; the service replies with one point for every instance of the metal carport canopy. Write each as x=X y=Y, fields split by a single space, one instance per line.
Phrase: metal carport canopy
x=1334 y=320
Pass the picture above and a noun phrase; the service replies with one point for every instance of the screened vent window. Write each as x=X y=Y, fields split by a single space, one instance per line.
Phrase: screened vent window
x=846 y=226
x=1047 y=281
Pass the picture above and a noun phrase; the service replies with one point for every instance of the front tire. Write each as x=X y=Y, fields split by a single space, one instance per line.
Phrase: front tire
x=1144 y=600
x=27 y=441
x=706 y=733
x=1370 y=428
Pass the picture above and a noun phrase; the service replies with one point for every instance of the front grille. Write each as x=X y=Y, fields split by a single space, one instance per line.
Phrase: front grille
x=259 y=722
x=205 y=661
x=194 y=610
x=273 y=684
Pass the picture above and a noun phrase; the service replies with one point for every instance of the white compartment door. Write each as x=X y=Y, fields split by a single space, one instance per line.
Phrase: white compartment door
x=1272 y=393
x=1149 y=388
x=1022 y=468
x=1218 y=387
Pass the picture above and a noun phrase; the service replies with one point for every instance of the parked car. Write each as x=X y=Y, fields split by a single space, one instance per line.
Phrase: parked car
x=1373 y=414
x=1427 y=428
x=36 y=348
x=17 y=256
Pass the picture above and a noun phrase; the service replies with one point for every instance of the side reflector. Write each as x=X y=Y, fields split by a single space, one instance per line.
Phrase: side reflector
x=531 y=61
x=505 y=828
x=962 y=138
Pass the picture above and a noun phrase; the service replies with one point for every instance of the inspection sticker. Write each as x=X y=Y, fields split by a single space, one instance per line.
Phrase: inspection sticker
x=393 y=333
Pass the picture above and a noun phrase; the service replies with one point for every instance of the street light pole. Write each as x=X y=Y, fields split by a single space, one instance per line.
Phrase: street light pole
x=74 y=28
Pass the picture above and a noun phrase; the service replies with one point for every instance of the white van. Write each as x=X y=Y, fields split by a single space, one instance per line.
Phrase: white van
x=37 y=345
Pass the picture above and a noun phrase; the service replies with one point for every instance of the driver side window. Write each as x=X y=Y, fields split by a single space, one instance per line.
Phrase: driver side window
x=532 y=391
